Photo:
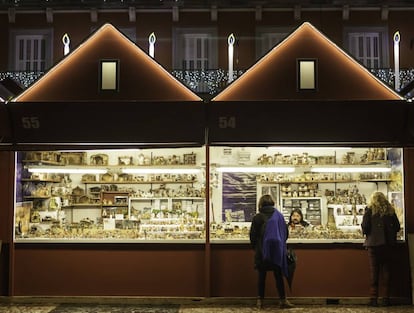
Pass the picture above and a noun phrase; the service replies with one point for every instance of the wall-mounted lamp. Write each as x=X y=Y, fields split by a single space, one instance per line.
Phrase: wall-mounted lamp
x=152 y=170
x=253 y=169
x=351 y=169
x=67 y=170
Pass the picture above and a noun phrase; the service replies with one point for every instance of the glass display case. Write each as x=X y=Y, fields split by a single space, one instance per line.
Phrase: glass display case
x=121 y=195
x=330 y=186
x=154 y=195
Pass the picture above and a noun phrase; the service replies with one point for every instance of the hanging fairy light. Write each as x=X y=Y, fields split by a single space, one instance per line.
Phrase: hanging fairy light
x=66 y=43
x=231 y=40
x=151 y=40
x=397 y=39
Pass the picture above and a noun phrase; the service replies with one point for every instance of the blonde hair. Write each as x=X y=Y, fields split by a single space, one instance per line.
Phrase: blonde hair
x=379 y=204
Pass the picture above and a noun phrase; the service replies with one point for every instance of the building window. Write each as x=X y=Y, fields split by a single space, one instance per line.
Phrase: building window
x=267 y=38
x=109 y=75
x=195 y=49
x=368 y=46
x=31 y=50
x=307 y=74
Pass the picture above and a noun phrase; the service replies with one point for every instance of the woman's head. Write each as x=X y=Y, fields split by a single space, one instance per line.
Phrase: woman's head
x=379 y=204
x=266 y=200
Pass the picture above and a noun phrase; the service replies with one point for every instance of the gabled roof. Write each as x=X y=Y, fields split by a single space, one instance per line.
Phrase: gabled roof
x=338 y=76
x=77 y=76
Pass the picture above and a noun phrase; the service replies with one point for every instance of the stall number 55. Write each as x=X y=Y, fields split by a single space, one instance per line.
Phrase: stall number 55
x=30 y=122
x=227 y=122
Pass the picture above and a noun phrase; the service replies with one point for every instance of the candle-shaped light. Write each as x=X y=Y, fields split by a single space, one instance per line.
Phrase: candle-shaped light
x=231 y=40
x=397 y=39
x=66 y=44
x=151 y=40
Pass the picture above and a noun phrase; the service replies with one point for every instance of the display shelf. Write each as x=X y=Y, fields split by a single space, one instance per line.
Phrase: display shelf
x=82 y=205
x=310 y=207
x=144 y=208
x=139 y=182
x=347 y=217
x=190 y=228
x=31 y=180
x=43 y=162
x=166 y=198
x=331 y=181
x=114 y=204
x=37 y=197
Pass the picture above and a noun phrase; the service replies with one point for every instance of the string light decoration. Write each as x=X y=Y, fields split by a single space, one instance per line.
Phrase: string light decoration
x=213 y=81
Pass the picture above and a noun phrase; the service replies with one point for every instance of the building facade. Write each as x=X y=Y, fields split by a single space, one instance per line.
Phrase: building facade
x=193 y=40
x=191 y=37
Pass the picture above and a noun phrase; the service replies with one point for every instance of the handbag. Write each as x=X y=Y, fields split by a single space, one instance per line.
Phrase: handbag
x=291 y=265
x=291 y=257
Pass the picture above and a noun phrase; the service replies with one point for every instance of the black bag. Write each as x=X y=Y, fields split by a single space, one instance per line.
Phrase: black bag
x=291 y=257
x=291 y=262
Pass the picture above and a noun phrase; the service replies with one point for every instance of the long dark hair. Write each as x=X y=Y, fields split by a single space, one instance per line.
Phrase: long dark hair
x=296 y=211
x=266 y=200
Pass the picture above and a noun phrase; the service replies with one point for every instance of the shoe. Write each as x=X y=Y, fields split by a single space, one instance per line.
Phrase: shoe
x=373 y=302
x=385 y=302
x=259 y=303
x=285 y=304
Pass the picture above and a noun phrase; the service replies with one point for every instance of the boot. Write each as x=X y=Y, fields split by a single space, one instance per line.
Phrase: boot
x=285 y=304
x=373 y=302
x=386 y=301
x=259 y=303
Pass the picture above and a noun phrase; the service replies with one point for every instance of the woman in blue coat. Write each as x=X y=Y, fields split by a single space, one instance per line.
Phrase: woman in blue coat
x=266 y=211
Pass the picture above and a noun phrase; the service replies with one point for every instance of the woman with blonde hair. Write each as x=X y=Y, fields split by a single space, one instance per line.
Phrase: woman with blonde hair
x=380 y=226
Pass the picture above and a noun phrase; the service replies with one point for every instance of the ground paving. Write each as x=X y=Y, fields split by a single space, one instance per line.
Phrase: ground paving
x=130 y=306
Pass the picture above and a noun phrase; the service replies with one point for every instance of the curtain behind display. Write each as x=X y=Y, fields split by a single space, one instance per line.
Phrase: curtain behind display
x=239 y=197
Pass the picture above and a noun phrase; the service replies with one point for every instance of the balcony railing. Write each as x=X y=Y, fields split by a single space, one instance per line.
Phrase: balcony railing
x=210 y=82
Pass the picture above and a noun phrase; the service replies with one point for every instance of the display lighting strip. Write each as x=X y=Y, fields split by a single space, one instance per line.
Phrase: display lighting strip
x=351 y=169
x=256 y=169
x=65 y=170
x=161 y=170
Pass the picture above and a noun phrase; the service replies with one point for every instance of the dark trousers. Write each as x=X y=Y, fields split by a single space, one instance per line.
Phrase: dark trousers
x=261 y=282
x=380 y=259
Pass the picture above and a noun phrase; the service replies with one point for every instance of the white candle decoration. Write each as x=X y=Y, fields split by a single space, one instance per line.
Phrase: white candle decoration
x=231 y=40
x=151 y=40
x=397 y=39
x=66 y=44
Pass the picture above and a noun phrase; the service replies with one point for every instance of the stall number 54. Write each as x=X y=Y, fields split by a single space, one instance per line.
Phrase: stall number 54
x=31 y=122
x=227 y=122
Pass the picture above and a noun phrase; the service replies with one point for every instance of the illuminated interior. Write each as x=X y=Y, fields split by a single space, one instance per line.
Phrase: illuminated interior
x=148 y=195
x=307 y=79
x=109 y=75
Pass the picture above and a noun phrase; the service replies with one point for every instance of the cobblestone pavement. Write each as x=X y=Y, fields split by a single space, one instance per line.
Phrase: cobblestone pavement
x=190 y=308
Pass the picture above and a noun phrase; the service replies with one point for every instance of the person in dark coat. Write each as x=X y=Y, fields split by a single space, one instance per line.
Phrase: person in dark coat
x=266 y=210
x=380 y=226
